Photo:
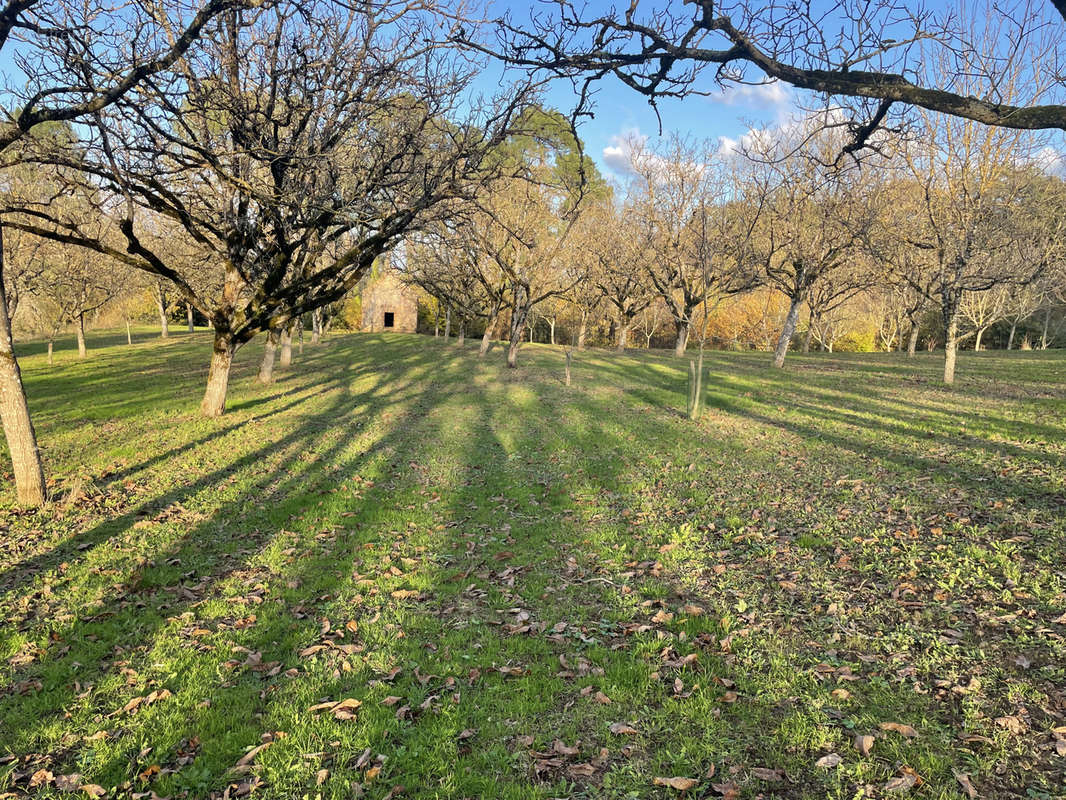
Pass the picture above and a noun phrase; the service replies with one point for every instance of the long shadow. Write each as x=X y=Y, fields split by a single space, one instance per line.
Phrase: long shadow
x=438 y=467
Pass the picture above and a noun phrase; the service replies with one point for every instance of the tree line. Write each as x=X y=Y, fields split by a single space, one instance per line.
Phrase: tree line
x=252 y=160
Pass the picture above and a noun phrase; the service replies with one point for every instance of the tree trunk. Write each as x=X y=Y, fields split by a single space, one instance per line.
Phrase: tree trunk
x=79 y=330
x=266 y=366
x=551 y=327
x=286 y=345
x=462 y=333
x=486 y=339
x=316 y=325
x=129 y=336
x=682 y=338
x=300 y=333
x=787 y=330
x=161 y=307
x=15 y=413
x=1047 y=320
x=189 y=317
x=214 y=402
x=810 y=331
x=977 y=340
x=623 y=336
x=582 y=330
x=1010 y=339
x=951 y=338
x=50 y=346
x=912 y=341
x=518 y=324
x=447 y=324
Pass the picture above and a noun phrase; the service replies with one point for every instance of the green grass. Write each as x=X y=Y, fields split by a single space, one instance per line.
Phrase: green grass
x=499 y=567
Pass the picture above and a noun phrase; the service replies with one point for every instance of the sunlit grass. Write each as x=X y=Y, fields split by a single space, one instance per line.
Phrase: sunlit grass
x=499 y=568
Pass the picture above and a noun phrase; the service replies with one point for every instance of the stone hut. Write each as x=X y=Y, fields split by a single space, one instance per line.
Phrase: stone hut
x=389 y=305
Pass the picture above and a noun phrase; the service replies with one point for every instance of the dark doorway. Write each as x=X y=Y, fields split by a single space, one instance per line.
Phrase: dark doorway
x=389 y=319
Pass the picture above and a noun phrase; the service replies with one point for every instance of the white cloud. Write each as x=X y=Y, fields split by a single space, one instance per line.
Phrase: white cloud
x=771 y=94
x=1050 y=160
x=618 y=155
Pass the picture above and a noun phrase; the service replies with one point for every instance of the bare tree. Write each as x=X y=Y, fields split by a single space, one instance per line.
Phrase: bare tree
x=687 y=208
x=883 y=52
x=292 y=128
x=816 y=215
x=979 y=209
x=81 y=58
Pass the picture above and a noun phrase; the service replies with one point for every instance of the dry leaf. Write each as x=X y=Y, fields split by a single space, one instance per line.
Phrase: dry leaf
x=93 y=790
x=864 y=744
x=1013 y=724
x=681 y=784
x=964 y=782
x=904 y=730
x=68 y=783
x=563 y=750
x=901 y=784
x=766 y=774
x=622 y=729
x=828 y=761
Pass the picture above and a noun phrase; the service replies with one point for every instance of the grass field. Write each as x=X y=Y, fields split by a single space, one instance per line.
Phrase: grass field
x=404 y=572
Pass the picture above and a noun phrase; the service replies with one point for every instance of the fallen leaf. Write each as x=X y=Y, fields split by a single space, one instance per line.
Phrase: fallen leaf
x=681 y=784
x=828 y=761
x=864 y=744
x=622 y=729
x=563 y=750
x=964 y=782
x=68 y=783
x=901 y=784
x=766 y=774
x=904 y=730
x=93 y=790
x=1013 y=724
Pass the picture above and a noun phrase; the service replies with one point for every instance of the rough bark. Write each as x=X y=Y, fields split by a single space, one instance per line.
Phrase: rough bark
x=622 y=340
x=286 y=345
x=551 y=327
x=977 y=340
x=447 y=324
x=1010 y=339
x=15 y=414
x=1047 y=321
x=682 y=338
x=810 y=332
x=462 y=334
x=486 y=339
x=129 y=336
x=161 y=307
x=214 y=402
x=912 y=341
x=189 y=318
x=266 y=365
x=787 y=330
x=51 y=345
x=582 y=330
x=951 y=337
x=518 y=324
x=316 y=325
x=79 y=330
